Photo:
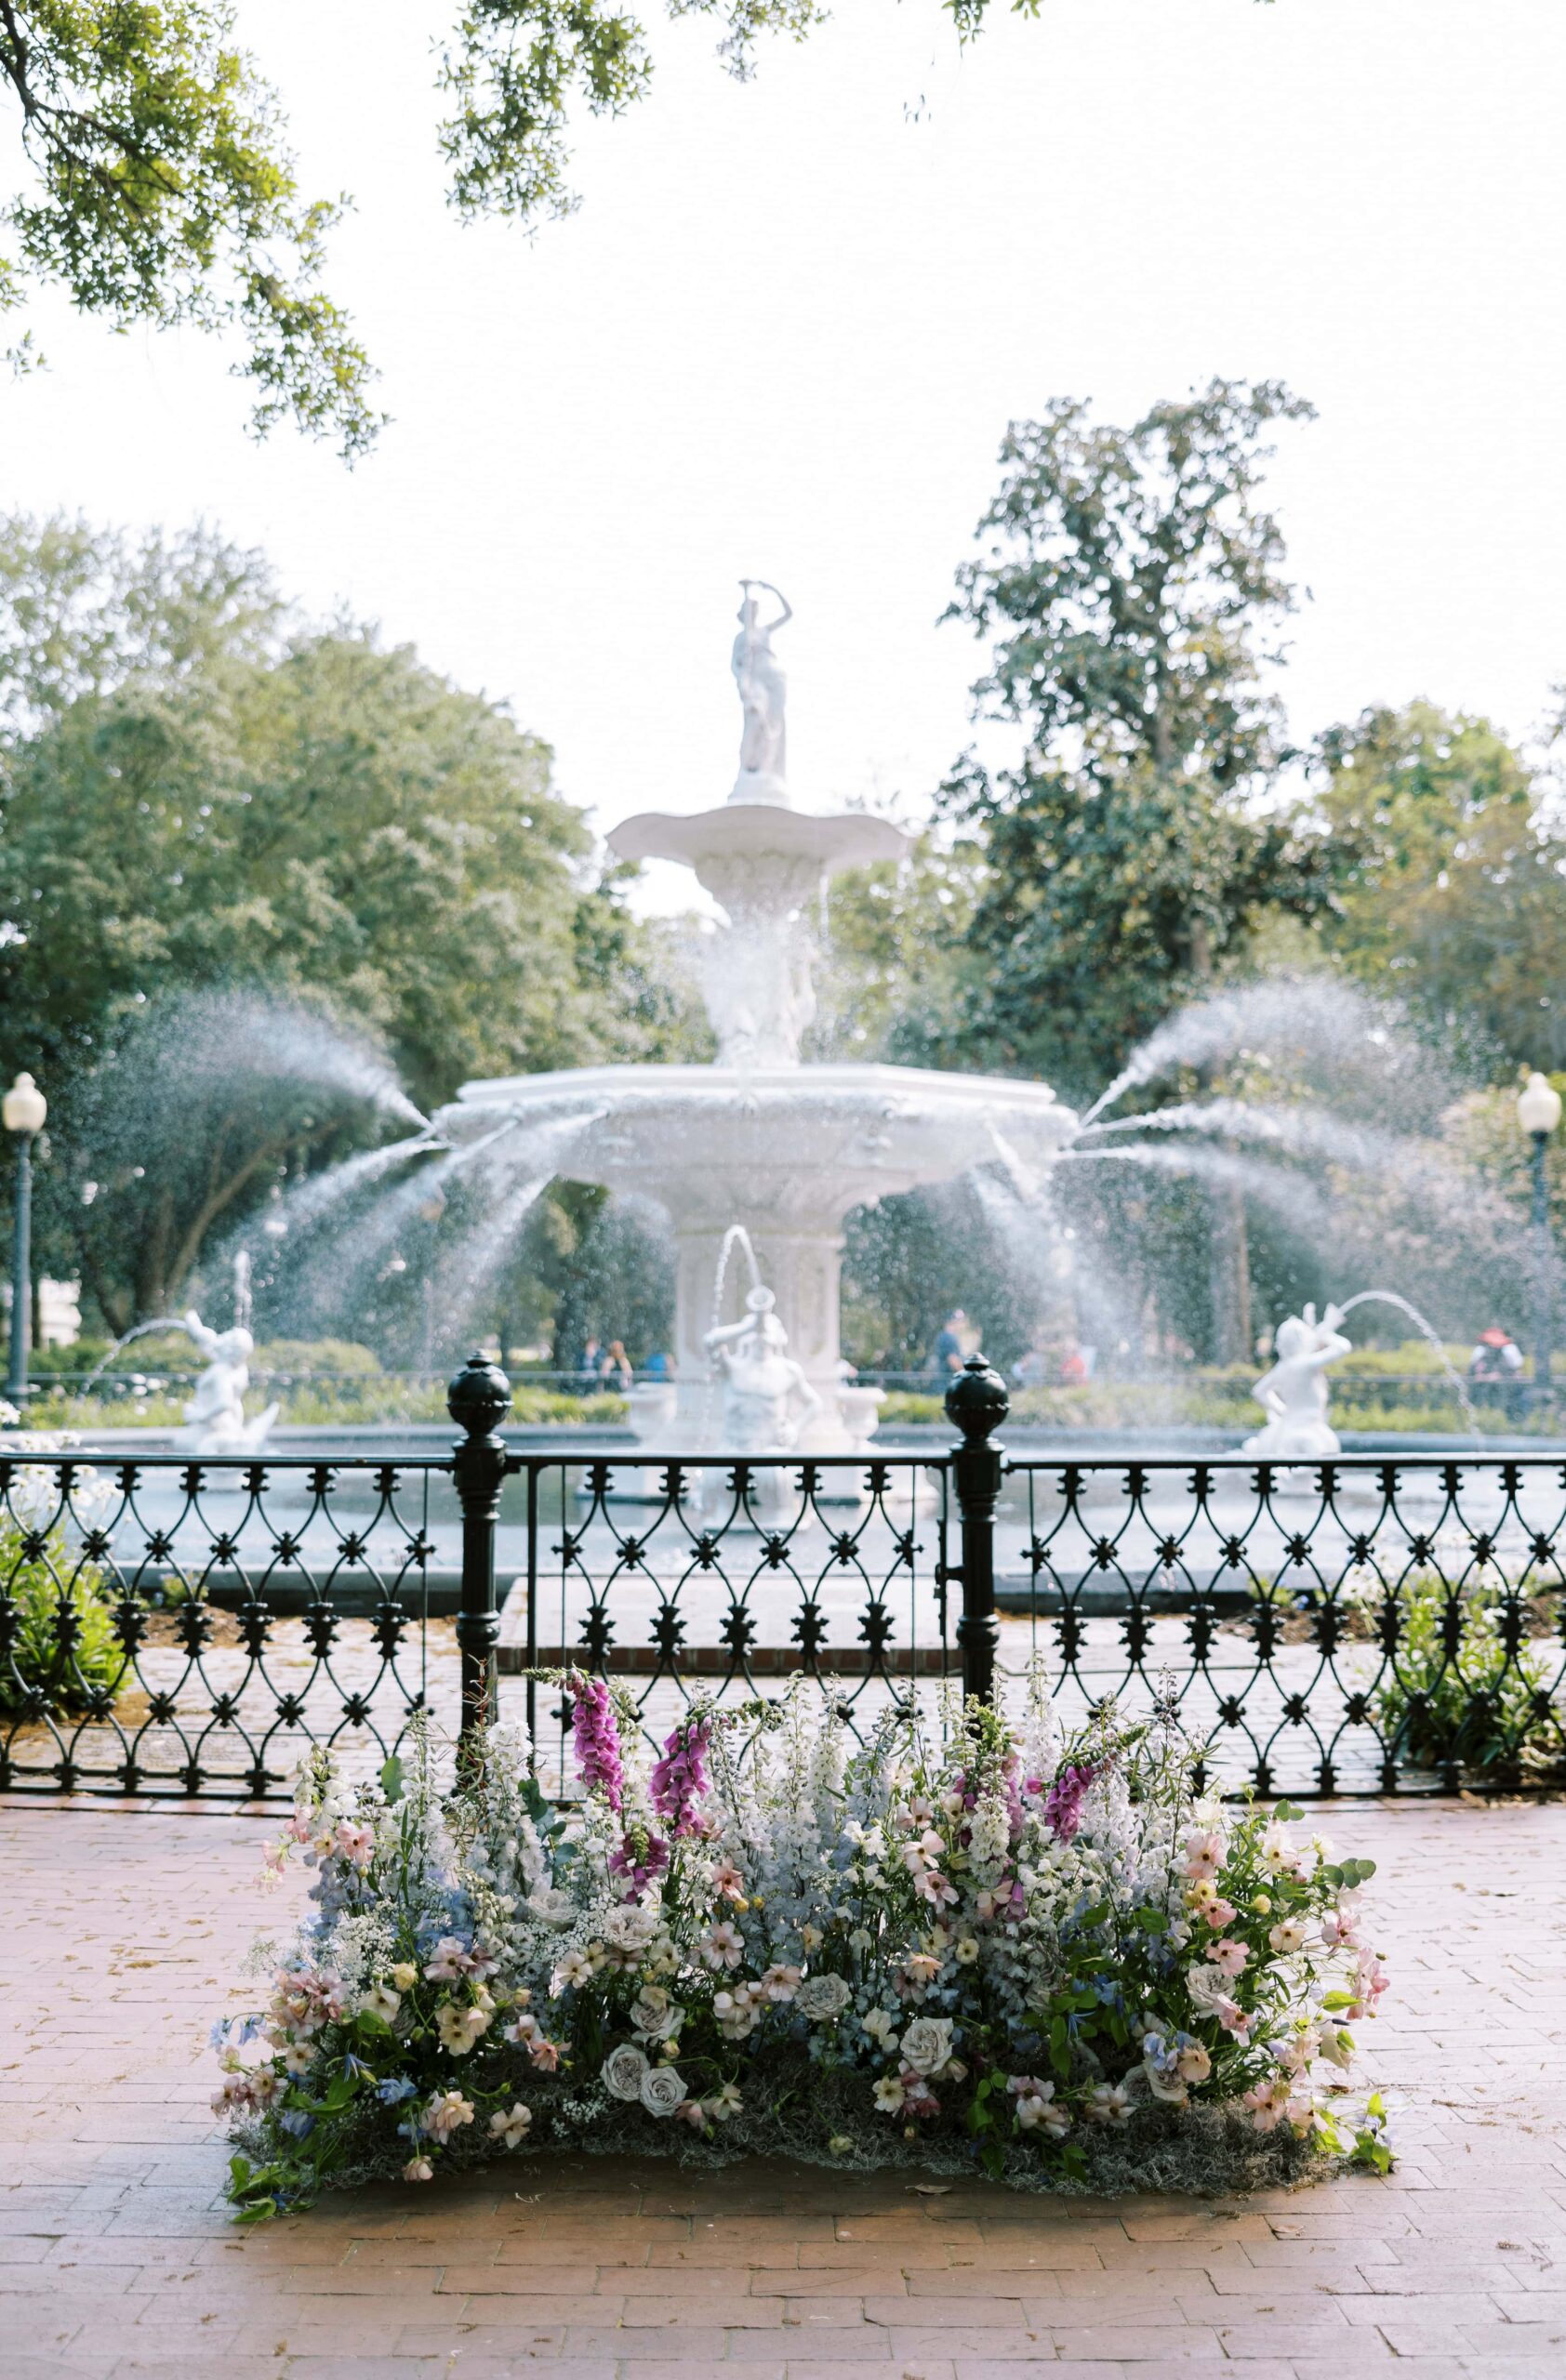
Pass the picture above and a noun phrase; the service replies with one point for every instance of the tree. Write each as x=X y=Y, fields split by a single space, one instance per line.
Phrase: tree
x=1450 y=879
x=160 y=190
x=1130 y=577
x=201 y=795
x=890 y=981
x=1133 y=582
x=159 y=187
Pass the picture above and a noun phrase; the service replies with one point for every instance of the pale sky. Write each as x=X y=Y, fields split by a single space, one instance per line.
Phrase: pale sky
x=785 y=333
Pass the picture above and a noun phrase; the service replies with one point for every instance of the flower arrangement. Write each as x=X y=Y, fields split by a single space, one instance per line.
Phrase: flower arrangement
x=955 y=1947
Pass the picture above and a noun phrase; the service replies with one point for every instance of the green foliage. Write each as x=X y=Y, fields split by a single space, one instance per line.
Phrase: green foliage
x=909 y=1261
x=310 y=1404
x=159 y=187
x=201 y=798
x=1468 y=1686
x=514 y=67
x=1448 y=877
x=1481 y=1131
x=59 y=1648
x=340 y=1358
x=895 y=959
x=1130 y=580
x=160 y=190
x=593 y=1267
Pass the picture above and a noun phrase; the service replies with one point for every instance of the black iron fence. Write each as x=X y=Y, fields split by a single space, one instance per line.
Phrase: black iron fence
x=191 y=1628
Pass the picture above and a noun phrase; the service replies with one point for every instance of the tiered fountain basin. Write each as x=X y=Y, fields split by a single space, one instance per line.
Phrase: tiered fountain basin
x=790 y=1150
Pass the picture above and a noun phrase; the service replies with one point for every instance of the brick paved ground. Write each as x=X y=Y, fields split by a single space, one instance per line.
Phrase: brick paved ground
x=122 y=1934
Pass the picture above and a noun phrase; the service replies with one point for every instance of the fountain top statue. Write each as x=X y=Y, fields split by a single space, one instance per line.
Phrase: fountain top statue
x=762 y=692
x=762 y=859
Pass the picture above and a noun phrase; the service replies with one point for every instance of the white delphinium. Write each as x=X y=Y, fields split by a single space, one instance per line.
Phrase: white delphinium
x=507 y=1847
x=1040 y=1738
x=989 y=1828
x=827 y=1770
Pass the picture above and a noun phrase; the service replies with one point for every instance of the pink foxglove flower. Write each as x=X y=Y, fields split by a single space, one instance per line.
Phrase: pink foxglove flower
x=596 y=1741
x=679 y=1780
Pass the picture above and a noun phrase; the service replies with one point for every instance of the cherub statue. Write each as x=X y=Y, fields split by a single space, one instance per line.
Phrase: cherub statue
x=767 y=1399
x=215 y=1415
x=1293 y=1393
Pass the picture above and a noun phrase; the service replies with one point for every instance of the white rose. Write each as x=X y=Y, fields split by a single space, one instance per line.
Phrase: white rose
x=927 y=2043
x=1167 y=2087
x=654 y=2015
x=630 y=1927
x=822 y=1997
x=662 y=2090
x=1207 y=1987
x=624 y=2071
x=553 y=1906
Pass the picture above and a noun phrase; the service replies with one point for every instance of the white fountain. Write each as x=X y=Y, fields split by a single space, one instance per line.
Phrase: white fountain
x=788 y=1149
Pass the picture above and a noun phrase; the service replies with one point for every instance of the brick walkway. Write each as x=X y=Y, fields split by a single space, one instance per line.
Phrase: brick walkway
x=122 y=1936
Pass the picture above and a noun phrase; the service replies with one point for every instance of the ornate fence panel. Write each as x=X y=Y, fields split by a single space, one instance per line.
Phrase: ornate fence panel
x=1370 y=1624
x=1357 y=1626
x=175 y=1627
x=727 y=1579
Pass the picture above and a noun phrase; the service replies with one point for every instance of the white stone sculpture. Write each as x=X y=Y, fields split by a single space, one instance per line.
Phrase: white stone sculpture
x=215 y=1416
x=1293 y=1393
x=763 y=690
x=767 y=1398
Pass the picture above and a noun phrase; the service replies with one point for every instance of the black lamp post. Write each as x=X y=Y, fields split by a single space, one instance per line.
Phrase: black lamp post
x=1538 y=1112
x=23 y=1110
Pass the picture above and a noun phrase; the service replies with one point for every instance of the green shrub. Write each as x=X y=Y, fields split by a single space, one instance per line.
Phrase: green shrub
x=62 y=1642
x=331 y=1358
x=1459 y=1691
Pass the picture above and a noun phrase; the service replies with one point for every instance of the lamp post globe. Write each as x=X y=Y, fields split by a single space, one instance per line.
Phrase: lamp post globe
x=24 y=1107
x=1538 y=1106
x=1538 y=1112
x=24 y=1111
